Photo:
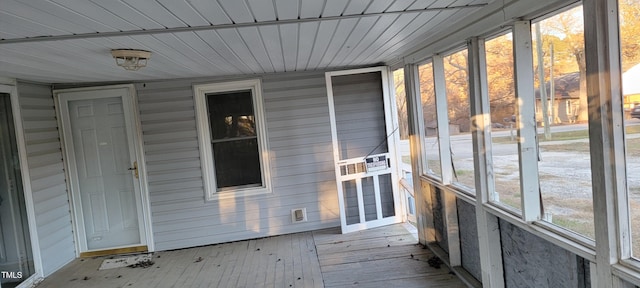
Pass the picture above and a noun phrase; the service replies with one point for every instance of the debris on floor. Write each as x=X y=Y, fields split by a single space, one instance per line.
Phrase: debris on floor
x=142 y=264
x=435 y=262
x=125 y=261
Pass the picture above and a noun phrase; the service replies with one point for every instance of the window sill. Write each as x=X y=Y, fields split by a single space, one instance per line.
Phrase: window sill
x=237 y=193
x=461 y=188
x=627 y=270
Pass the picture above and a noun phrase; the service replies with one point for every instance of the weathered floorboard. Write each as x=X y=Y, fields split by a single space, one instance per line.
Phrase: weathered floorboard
x=382 y=257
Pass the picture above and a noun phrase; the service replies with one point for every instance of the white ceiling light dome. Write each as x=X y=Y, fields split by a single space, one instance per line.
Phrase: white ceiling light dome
x=131 y=59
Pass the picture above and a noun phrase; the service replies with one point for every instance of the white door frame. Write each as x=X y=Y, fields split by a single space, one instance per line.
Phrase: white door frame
x=132 y=118
x=26 y=183
x=391 y=143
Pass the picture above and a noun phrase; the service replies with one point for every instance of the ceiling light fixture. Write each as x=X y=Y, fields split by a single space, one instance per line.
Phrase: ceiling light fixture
x=131 y=59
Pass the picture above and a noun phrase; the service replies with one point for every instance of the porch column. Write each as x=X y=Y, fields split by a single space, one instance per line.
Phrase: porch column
x=488 y=228
x=424 y=216
x=606 y=137
x=526 y=121
x=442 y=115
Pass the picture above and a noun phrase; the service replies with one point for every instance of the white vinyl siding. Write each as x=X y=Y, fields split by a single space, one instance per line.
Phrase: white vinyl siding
x=48 y=185
x=300 y=155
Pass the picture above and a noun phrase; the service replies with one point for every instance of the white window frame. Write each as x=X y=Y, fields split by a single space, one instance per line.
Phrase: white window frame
x=444 y=135
x=421 y=125
x=610 y=261
x=204 y=138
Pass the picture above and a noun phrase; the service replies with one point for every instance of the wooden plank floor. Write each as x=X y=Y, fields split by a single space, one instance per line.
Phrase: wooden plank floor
x=381 y=257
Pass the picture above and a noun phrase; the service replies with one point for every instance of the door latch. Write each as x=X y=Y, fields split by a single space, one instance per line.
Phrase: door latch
x=134 y=169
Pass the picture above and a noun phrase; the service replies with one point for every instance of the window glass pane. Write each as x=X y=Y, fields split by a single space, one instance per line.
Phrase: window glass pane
x=401 y=103
x=457 y=89
x=630 y=55
x=234 y=139
x=403 y=124
x=503 y=108
x=231 y=115
x=561 y=114
x=429 y=114
x=237 y=163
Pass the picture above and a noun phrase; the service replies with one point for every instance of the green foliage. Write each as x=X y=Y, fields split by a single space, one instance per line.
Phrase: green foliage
x=572 y=135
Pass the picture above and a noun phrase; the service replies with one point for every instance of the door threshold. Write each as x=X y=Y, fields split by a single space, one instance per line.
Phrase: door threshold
x=125 y=250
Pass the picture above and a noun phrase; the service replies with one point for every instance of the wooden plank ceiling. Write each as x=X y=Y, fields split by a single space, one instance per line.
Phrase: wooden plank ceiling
x=63 y=41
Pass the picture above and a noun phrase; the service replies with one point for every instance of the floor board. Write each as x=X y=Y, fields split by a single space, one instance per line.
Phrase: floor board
x=381 y=257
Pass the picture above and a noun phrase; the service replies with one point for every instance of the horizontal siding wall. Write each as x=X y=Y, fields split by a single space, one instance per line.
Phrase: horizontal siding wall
x=300 y=153
x=48 y=185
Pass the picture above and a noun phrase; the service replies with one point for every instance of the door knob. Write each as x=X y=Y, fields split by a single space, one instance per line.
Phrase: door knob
x=134 y=169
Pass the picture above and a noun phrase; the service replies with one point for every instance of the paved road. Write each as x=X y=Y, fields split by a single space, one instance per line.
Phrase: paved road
x=462 y=147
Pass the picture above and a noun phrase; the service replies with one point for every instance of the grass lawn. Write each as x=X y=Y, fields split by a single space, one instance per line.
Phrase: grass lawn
x=568 y=135
x=633 y=147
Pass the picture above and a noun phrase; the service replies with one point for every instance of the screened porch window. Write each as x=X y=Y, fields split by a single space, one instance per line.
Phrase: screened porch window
x=232 y=139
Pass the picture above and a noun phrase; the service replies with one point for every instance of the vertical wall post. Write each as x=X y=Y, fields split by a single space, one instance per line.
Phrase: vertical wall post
x=450 y=212
x=488 y=228
x=442 y=119
x=452 y=226
x=424 y=217
x=606 y=136
x=526 y=121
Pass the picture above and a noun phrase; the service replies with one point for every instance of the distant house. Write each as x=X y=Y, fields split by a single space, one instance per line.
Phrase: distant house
x=431 y=128
x=567 y=94
x=631 y=87
x=566 y=100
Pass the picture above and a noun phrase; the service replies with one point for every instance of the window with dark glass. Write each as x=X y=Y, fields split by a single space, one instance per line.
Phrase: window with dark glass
x=234 y=139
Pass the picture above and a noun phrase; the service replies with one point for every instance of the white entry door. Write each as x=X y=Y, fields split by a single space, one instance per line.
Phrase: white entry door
x=100 y=148
x=363 y=148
